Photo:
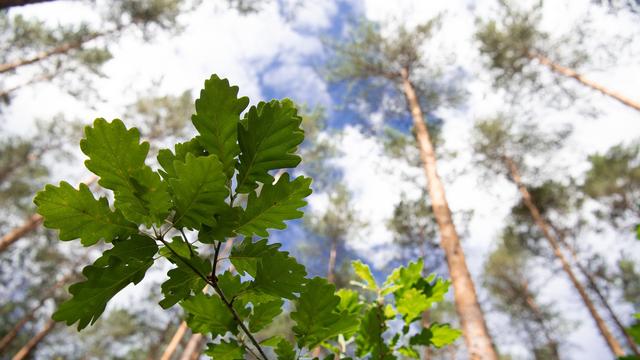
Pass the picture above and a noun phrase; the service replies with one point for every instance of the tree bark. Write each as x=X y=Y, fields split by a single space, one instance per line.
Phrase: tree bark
x=474 y=328
x=553 y=242
x=193 y=348
x=30 y=224
x=537 y=313
x=331 y=269
x=60 y=49
x=559 y=69
x=29 y=346
x=11 y=335
x=596 y=289
x=5 y=4
x=175 y=340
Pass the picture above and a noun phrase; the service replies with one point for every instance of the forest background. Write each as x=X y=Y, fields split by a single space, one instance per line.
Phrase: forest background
x=368 y=195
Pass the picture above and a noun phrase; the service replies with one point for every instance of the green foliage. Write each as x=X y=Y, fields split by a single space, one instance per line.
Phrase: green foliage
x=78 y=215
x=125 y=263
x=194 y=191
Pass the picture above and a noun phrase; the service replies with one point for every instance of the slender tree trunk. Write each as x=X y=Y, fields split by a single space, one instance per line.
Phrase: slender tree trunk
x=30 y=224
x=60 y=49
x=5 y=4
x=193 y=348
x=584 y=81
x=333 y=253
x=7 y=91
x=553 y=242
x=152 y=353
x=539 y=317
x=175 y=340
x=11 y=335
x=474 y=327
x=29 y=346
x=596 y=289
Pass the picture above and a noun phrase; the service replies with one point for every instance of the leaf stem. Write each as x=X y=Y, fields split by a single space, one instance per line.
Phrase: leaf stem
x=214 y=284
x=238 y=319
x=184 y=237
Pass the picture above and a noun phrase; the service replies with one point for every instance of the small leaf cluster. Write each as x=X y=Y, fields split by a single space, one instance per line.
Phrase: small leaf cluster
x=391 y=326
x=219 y=187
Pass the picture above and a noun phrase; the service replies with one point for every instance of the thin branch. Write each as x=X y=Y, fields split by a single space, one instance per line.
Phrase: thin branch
x=229 y=305
x=186 y=241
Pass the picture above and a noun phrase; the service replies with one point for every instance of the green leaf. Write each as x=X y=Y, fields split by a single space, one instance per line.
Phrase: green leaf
x=114 y=152
x=226 y=223
x=216 y=119
x=264 y=313
x=166 y=158
x=279 y=274
x=125 y=263
x=246 y=256
x=411 y=304
x=199 y=191
x=285 y=350
x=316 y=315
x=268 y=137
x=183 y=281
x=408 y=352
x=226 y=350
x=117 y=157
x=276 y=203
x=349 y=301
x=208 y=314
x=78 y=215
x=369 y=338
x=438 y=335
x=364 y=273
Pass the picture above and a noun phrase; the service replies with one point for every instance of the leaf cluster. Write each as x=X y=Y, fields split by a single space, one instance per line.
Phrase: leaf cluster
x=217 y=186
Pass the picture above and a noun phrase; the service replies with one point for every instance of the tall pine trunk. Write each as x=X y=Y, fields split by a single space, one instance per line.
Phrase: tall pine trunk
x=565 y=71
x=333 y=254
x=57 y=50
x=193 y=348
x=555 y=246
x=539 y=318
x=175 y=341
x=474 y=327
x=31 y=344
x=596 y=289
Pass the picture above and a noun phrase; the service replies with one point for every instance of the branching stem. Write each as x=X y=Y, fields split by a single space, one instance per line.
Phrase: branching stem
x=214 y=284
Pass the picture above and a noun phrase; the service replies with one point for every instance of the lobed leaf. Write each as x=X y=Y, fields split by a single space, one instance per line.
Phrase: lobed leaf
x=268 y=137
x=117 y=157
x=216 y=119
x=277 y=202
x=225 y=350
x=125 y=263
x=78 y=215
x=199 y=191
x=208 y=314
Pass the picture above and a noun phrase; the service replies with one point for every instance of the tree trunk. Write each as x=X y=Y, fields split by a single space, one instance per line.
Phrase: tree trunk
x=584 y=81
x=60 y=49
x=152 y=353
x=331 y=270
x=29 y=346
x=4 y=93
x=544 y=227
x=596 y=289
x=474 y=328
x=175 y=340
x=193 y=348
x=30 y=224
x=11 y=335
x=5 y=4
x=539 y=317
